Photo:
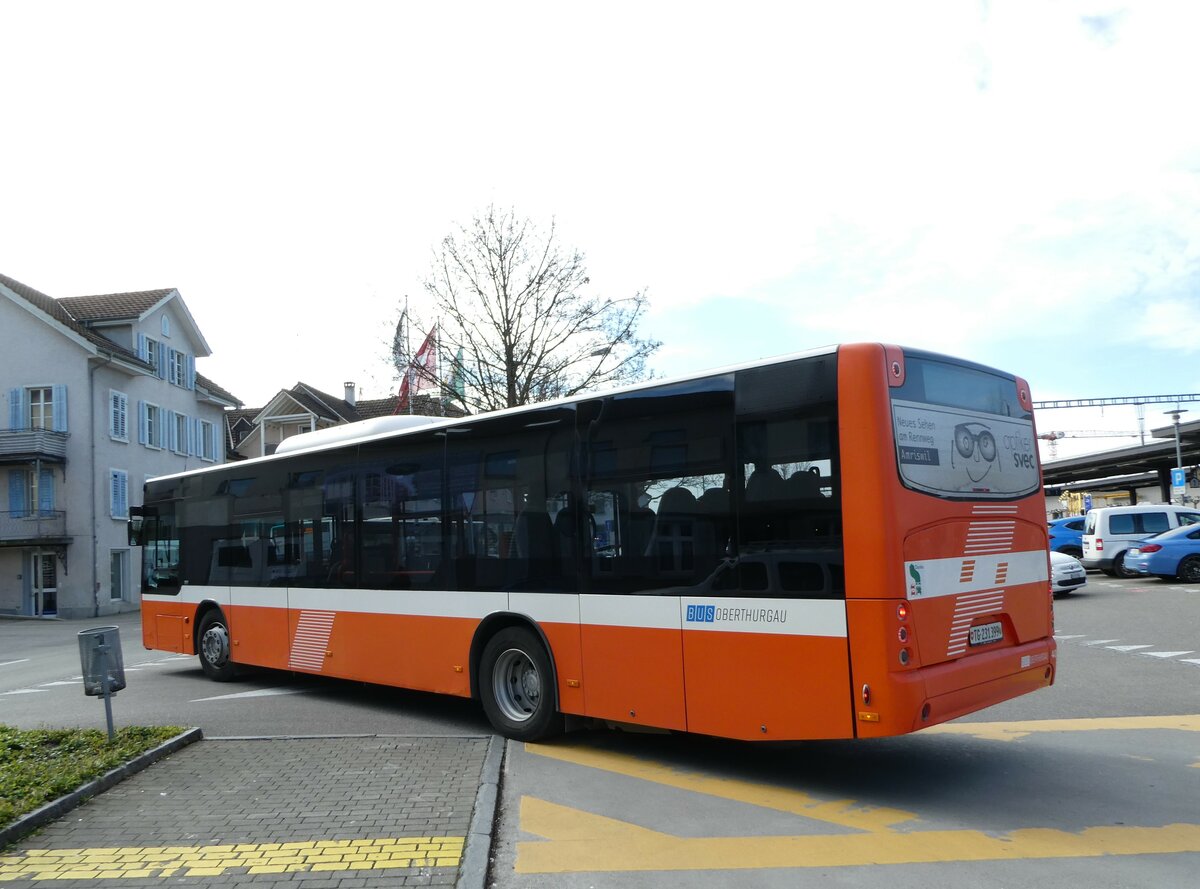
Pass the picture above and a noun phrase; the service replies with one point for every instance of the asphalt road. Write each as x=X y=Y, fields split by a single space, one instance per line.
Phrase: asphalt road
x=1094 y=782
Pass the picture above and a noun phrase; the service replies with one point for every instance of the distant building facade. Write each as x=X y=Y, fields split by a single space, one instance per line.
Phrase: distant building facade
x=99 y=394
x=304 y=408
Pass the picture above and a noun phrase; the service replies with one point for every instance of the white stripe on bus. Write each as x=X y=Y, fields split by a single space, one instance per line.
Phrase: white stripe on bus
x=785 y=617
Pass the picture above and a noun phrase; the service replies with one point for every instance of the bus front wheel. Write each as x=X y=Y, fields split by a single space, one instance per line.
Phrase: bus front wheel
x=213 y=646
x=516 y=686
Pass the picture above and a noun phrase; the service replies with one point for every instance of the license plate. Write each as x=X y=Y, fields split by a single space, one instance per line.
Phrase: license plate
x=985 y=634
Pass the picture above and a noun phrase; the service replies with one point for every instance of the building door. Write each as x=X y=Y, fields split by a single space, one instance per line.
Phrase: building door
x=118 y=574
x=45 y=585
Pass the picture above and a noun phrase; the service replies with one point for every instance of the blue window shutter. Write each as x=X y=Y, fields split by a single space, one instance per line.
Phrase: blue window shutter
x=142 y=350
x=16 y=409
x=118 y=421
x=172 y=432
x=191 y=371
x=16 y=492
x=162 y=361
x=59 y=398
x=193 y=448
x=46 y=491
x=142 y=423
x=123 y=501
x=114 y=493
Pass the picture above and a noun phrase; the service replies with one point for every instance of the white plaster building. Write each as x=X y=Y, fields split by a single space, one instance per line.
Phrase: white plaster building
x=99 y=394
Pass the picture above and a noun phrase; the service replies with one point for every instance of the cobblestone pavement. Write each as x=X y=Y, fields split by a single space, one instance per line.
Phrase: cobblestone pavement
x=343 y=813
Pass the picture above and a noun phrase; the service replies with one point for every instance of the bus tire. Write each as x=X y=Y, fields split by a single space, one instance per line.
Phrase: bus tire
x=516 y=686
x=214 y=647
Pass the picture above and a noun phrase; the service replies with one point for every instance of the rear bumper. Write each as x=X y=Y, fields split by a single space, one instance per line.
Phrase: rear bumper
x=939 y=693
x=1023 y=669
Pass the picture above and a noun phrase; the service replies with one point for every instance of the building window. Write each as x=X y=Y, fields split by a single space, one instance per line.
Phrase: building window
x=118 y=487
x=41 y=408
x=152 y=431
x=30 y=493
x=177 y=370
x=151 y=354
x=118 y=415
x=118 y=573
x=166 y=326
x=38 y=407
x=179 y=435
x=208 y=440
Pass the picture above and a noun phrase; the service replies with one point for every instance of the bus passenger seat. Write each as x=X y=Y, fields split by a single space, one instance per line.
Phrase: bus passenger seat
x=804 y=485
x=765 y=484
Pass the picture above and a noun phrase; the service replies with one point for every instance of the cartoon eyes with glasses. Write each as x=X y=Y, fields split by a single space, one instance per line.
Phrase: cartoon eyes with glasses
x=974 y=440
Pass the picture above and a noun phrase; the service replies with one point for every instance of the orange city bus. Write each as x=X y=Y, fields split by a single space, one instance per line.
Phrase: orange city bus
x=847 y=542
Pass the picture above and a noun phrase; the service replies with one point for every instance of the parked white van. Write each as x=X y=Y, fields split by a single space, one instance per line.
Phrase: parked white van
x=1110 y=530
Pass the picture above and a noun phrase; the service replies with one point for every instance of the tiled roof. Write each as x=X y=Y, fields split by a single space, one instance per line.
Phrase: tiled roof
x=114 y=306
x=60 y=313
x=75 y=312
x=203 y=382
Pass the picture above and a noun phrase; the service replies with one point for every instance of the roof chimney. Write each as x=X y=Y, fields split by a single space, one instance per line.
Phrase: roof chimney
x=349 y=392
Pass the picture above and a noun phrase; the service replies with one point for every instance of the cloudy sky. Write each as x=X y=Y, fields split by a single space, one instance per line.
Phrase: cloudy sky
x=1013 y=182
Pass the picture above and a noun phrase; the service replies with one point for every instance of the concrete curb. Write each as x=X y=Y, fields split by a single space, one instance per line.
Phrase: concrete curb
x=55 y=809
x=472 y=874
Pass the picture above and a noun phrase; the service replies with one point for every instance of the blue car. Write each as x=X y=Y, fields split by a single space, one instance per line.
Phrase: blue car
x=1171 y=555
x=1066 y=535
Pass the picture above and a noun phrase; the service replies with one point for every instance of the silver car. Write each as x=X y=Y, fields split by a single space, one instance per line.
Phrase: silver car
x=1066 y=574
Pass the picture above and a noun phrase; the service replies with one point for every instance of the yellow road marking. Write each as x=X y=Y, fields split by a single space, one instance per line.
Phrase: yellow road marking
x=580 y=841
x=844 y=813
x=1012 y=731
x=212 y=861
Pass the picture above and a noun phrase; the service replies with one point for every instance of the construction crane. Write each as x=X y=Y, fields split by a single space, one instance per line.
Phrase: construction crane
x=1053 y=437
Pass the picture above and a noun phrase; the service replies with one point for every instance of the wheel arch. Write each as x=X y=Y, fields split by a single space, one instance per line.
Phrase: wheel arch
x=206 y=607
x=502 y=620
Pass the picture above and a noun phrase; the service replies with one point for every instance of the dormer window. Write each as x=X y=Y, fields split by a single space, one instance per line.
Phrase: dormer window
x=166 y=325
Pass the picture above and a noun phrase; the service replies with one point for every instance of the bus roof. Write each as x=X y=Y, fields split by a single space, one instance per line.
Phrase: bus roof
x=354 y=433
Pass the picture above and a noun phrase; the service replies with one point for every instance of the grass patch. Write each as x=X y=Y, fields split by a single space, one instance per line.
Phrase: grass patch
x=41 y=765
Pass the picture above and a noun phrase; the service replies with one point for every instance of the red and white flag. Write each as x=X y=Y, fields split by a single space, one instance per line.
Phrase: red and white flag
x=422 y=373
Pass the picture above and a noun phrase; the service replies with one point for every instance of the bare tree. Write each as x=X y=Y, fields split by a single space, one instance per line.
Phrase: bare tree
x=517 y=324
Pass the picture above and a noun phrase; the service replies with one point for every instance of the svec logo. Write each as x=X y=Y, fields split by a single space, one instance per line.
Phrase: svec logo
x=701 y=614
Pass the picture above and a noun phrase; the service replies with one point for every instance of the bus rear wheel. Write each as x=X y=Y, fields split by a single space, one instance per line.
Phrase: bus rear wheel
x=213 y=647
x=516 y=686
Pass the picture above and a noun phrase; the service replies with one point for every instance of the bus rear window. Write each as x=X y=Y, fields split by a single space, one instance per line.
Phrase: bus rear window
x=961 y=433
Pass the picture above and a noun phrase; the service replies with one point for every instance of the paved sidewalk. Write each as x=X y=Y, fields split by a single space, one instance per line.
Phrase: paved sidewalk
x=342 y=813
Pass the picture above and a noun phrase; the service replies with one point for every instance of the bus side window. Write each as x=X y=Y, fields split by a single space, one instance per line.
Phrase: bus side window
x=789 y=516
x=656 y=484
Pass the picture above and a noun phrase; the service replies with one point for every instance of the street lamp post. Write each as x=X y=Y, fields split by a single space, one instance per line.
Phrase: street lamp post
x=1174 y=415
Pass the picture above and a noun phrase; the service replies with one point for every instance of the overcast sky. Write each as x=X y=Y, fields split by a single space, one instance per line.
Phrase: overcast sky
x=1016 y=182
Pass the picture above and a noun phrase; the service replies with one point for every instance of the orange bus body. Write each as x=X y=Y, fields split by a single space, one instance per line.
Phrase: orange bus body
x=896 y=652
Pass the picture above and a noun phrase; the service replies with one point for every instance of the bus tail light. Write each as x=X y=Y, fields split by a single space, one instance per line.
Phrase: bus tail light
x=905 y=657
x=902 y=635
x=866 y=694
x=902 y=611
